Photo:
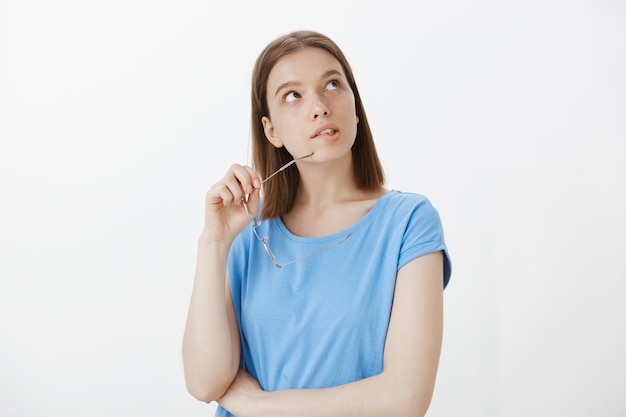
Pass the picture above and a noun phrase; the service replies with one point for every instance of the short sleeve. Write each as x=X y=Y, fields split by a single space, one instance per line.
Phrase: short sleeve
x=424 y=234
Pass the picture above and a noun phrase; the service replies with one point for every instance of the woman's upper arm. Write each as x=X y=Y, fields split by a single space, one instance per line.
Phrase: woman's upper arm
x=413 y=343
x=234 y=328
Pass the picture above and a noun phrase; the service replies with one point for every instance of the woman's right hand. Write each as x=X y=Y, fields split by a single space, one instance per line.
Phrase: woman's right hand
x=225 y=216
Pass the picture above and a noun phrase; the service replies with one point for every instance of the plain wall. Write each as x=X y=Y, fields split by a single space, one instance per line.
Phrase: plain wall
x=117 y=116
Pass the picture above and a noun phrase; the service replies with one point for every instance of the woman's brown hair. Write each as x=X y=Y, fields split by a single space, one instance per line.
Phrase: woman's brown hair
x=280 y=192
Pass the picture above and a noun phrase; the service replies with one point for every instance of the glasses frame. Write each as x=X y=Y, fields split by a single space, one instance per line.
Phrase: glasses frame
x=264 y=240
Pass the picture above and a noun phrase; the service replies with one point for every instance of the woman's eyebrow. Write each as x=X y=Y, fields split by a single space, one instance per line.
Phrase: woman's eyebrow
x=286 y=85
x=295 y=83
x=331 y=72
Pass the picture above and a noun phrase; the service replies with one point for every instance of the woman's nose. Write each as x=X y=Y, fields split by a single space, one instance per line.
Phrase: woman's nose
x=320 y=108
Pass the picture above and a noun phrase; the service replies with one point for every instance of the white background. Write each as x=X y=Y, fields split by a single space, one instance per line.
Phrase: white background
x=116 y=117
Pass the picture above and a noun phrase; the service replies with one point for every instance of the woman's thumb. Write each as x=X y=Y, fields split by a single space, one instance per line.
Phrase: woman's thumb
x=253 y=201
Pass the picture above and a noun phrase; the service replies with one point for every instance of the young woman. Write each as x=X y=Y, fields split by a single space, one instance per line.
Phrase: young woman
x=324 y=297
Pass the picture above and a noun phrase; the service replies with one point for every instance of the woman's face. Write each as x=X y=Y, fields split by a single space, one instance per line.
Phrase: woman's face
x=311 y=106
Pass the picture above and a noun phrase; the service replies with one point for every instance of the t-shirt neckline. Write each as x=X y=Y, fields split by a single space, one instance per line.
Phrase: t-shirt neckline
x=278 y=221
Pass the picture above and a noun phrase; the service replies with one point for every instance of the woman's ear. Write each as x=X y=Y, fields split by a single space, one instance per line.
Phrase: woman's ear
x=270 y=132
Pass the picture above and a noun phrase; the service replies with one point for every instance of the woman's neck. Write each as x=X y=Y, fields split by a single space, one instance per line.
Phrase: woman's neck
x=323 y=184
x=328 y=200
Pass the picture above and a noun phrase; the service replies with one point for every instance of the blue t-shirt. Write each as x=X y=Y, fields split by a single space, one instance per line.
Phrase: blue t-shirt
x=322 y=321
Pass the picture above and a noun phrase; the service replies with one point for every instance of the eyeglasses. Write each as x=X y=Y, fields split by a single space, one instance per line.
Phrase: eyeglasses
x=256 y=223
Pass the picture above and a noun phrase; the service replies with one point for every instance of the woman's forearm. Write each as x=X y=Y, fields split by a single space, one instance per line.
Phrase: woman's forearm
x=211 y=340
x=376 y=396
x=386 y=394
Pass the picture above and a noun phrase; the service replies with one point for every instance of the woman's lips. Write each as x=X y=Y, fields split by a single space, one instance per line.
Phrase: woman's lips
x=326 y=132
x=328 y=135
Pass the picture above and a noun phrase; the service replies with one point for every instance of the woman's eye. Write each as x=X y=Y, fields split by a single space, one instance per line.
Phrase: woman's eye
x=291 y=96
x=332 y=85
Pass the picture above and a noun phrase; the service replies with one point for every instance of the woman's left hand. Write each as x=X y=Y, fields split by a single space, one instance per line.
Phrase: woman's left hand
x=242 y=395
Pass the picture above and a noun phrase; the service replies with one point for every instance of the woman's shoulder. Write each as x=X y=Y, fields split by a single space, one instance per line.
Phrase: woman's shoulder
x=407 y=207
x=405 y=199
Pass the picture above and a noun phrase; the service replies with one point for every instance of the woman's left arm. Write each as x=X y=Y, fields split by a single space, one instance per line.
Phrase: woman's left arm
x=403 y=388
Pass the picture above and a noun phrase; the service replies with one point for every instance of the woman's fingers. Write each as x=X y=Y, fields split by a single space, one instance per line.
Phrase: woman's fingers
x=224 y=214
x=241 y=180
x=238 y=181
